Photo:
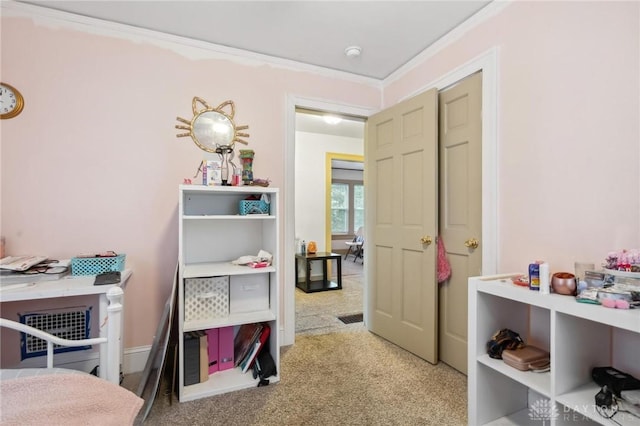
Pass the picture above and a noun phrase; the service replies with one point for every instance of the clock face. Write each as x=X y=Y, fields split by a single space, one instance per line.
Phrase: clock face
x=11 y=101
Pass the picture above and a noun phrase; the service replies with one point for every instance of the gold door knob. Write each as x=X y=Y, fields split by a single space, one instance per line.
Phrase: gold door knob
x=472 y=243
x=426 y=240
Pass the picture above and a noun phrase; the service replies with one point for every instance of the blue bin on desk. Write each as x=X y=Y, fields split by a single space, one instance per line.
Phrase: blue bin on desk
x=97 y=265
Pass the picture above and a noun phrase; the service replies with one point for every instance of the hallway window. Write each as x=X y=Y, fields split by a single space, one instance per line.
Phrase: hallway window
x=347 y=207
x=339 y=208
x=358 y=207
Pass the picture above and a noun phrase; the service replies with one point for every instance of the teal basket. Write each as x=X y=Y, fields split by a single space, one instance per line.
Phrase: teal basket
x=97 y=265
x=253 y=207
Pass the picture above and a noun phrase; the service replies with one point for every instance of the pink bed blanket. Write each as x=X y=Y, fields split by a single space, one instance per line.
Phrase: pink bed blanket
x=69 y=399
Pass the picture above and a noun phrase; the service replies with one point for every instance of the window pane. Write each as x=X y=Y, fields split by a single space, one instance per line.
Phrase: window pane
x=339 y=208
x=339 y=221
x=358 y=202
x=339 y=196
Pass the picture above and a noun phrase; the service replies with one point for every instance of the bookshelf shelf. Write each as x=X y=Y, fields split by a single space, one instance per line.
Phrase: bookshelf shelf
x=578 y=337
x=211 y=235
x=233 y=319
x=219 y=383
x=230 y=217
x=209 y=269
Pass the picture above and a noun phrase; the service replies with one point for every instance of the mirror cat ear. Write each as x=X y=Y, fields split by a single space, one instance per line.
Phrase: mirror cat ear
x=194 y=105
x=230 y=104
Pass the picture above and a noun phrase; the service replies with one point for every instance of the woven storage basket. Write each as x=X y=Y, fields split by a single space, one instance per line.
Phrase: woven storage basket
x=206 y=298
x=97 y=265
x=253 y=207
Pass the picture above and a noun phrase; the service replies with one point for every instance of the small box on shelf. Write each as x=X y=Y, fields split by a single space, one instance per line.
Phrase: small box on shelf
x=249 y=293
x=206 y=298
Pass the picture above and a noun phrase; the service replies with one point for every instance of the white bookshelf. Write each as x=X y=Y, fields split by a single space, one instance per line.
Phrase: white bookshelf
x=578 y=336
x=211 y=235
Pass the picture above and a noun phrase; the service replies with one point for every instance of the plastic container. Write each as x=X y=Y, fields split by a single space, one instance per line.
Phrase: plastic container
x=544 y=278
x=534 y=276
x=253 y=207
x=97 y=265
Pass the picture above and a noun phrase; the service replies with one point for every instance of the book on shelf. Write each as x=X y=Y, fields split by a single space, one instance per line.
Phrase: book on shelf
x=247 y=362
x=244 y=364
x=247 y=336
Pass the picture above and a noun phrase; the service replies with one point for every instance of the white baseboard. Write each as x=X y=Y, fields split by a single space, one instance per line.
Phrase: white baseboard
x=134 y=360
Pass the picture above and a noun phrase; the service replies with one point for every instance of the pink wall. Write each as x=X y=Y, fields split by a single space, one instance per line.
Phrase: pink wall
x=93 y=162
x=568 y=127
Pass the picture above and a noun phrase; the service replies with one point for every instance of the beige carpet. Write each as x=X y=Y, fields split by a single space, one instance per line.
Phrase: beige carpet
x=345 y=378
x=317 y=313
x=335 y=374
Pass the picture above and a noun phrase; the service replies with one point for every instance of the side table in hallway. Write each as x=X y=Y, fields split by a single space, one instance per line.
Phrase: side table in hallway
x=309 y=285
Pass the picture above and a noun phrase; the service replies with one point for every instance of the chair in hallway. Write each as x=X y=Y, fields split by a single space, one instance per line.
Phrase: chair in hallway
x=356 y=246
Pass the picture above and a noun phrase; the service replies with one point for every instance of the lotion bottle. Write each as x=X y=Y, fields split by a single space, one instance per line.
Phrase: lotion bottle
x=544 y=278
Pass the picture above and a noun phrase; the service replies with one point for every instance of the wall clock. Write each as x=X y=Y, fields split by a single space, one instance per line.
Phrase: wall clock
x=11 y=101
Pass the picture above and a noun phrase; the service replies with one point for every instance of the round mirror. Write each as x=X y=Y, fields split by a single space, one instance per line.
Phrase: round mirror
x=213 y=129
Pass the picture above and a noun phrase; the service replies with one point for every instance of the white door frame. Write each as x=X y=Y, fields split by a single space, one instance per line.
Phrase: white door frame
x=487 y=63
x=293 y=101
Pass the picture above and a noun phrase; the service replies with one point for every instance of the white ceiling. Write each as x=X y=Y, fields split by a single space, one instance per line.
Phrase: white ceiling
x=390 y=33
x=313 y=122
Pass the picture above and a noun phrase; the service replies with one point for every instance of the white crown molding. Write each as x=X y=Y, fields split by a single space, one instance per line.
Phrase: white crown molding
x=190 y=48
x=489 y=11
x=195 y=49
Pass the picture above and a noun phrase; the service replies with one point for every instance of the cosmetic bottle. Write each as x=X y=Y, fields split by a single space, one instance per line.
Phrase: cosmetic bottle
x=544 y=278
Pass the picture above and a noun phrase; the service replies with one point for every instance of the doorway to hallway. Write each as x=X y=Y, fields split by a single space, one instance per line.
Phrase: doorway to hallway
x=329 y=151
x=320 y=312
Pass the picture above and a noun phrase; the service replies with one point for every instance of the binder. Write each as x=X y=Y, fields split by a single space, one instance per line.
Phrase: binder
x=212 y=350
x=225 y=348
x=191 y=359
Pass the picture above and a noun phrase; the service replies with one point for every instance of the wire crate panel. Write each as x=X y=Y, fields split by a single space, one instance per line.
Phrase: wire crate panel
x=69 y=323
x=97 y=265
x=206 y=298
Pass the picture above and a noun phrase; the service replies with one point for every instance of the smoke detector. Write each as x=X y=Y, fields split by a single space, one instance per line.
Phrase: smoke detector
x=353 y=51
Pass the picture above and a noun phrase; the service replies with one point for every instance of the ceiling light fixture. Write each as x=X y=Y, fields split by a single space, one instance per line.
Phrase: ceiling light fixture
x=331 y=119
x=353 y=51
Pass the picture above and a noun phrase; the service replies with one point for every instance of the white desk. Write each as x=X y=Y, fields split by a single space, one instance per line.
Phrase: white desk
x=70 y=285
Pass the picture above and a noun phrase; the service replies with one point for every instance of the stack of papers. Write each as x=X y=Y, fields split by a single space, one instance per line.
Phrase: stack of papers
x=12 y=272
x=20 y=263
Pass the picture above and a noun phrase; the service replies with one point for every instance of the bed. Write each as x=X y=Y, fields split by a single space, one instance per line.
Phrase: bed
x=70 y=397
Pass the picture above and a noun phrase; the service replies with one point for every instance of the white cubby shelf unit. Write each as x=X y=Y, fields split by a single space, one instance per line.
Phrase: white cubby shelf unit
x=212 y=234
x=578 y=336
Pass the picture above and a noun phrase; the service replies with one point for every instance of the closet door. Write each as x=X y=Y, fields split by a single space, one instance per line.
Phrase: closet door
x=401 y=175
